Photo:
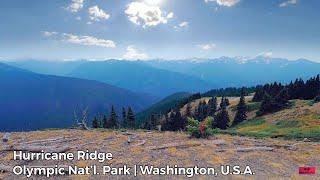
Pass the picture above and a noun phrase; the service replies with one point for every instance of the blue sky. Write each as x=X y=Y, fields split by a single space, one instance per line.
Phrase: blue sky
x=166 y=29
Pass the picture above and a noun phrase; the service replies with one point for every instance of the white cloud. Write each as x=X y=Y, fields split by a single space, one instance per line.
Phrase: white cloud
x=82 y=40
x=87 y=40
x=288 y=2
x=266 y=54
x=170 y=15
x=78 y=18
x=227 y=3
x=97 y=14
x=183 y=24
x=75 y=5
x=48 y=33
x=133 y=54
x=207 y=46
x=147 y=15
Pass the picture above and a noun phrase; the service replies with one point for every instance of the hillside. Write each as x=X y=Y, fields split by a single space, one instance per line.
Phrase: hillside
x=162 y=106
x=169 y=148
x=30 y=101
x=140 y=77
x=300 y=120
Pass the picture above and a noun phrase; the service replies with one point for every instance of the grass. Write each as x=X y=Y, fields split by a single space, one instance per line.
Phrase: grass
x=253 y=106
x=288 y=124
x=286 y=129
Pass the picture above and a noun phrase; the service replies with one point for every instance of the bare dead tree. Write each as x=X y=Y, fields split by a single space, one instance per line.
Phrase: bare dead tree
x=82 y=120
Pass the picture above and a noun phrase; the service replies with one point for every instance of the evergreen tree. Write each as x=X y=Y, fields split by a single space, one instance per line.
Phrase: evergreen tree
x=165 y=124
x=222 y=102
x=196 y=113
x=153 y=121
x=188 y=110
x=113 y=119
x=267 y=105
x=171 y=123
x=104 y=122
x=281 y=100
x=222 y=119
x=177 y=122
x=226 y=101
x=95 y=123
x=241 y=114
x=131 y=118
x=124 y=118
x=212 y=106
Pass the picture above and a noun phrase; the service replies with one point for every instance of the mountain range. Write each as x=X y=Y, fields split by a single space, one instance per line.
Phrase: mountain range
x=161 y=78
x=41 y=94
x=237 y=72
x=32 y=101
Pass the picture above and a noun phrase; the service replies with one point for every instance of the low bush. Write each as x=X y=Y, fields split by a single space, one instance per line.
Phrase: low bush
x=198 y=129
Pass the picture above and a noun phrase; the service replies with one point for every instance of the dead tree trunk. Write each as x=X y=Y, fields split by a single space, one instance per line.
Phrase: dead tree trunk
x=82 y=121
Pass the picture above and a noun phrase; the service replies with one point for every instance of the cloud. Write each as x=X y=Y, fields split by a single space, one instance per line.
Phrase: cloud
x=87 y=40
x=133 y=54
x=288 y=2
x=97 y=14
x=266 y=54
x=207 y=46
x=227 y=3
x=82 y=40
x=48 y=33
x=75 y=5
x=147 y=15
x=183 y=24
x=170 y=15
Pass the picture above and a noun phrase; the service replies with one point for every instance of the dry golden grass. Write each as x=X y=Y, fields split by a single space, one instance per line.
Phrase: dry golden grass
x=204 y=155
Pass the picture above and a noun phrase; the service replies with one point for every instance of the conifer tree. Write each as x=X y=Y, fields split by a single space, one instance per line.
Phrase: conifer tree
x=222 y=119
x=267 y=104
x=124 y=118
x=188 y=110
x=177 y=121
x=131 y=118
x=196 y=113
x=153 y=121
x=241 y=114
x=95 y=123
x=281 y=100
x=212 y=106
x=226 y=101
x=104 y=122
x=113 y=119
x=222 y=102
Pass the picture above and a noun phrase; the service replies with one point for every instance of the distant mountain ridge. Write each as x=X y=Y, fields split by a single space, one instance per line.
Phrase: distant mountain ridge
x=163 y=77
x=229 y=72
x=135 y=76
x=32 y=101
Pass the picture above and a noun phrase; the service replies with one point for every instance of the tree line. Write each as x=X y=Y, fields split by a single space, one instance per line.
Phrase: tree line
x=175 y=121
x=276 y=96
x=127 y=119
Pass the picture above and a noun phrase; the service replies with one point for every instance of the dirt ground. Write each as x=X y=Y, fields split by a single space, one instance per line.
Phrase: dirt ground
x=172 y=148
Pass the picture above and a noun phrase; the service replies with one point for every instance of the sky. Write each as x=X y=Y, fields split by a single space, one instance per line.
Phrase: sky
x=158 y=29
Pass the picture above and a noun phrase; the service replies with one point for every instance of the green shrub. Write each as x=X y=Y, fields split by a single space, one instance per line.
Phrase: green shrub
x=199 y=130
